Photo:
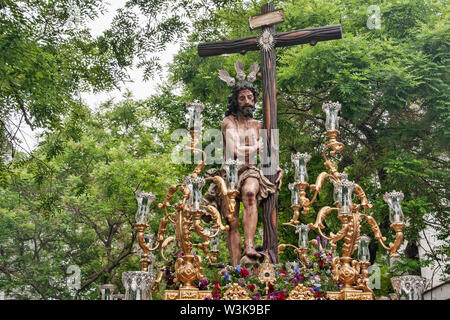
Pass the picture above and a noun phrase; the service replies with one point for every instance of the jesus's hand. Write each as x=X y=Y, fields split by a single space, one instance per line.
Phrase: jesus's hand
x=279 y=180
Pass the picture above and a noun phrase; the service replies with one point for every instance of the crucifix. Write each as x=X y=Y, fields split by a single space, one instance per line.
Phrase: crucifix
x=266 y=43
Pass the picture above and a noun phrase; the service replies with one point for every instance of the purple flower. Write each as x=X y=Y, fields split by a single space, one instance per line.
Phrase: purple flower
x=256 y=296
x=241 y=282
x=298 y=278
x=203 y=283
x=226 y=276
x=238 y=268
x=297 y=270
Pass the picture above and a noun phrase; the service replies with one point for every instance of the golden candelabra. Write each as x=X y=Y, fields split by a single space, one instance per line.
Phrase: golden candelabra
x=189 y=214
x=352 y=274
x=187 y=218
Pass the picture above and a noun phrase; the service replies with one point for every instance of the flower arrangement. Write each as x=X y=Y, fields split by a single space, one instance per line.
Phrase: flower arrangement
x=316 y=276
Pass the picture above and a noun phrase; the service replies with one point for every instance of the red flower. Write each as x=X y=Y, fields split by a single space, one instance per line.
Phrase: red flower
x=318 y=294
x=321 y=263
x=217 y=287
x=283 y=273
x=251 y=287
x=244 y=272
x=316 y=255
x=216 y=295
x=271 y=288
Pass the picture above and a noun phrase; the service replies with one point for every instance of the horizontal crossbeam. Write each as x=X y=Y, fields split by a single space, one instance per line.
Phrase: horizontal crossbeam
x=282 y=39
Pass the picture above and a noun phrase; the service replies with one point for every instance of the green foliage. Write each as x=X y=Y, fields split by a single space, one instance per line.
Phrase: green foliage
x=78 y=208
x=392 y=83
x=71 y=202
x=385 y=282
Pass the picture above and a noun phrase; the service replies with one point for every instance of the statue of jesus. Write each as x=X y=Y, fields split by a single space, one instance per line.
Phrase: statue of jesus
x=242 y=141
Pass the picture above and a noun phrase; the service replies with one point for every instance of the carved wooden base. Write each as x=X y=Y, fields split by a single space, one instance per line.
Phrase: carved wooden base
x=187 y=294
x=349 y=294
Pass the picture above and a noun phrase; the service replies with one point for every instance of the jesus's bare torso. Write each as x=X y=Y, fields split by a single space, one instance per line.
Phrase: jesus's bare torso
x=241 y=139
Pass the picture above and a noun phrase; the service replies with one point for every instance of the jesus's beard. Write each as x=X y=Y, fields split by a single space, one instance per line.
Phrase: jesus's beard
x=247 y=112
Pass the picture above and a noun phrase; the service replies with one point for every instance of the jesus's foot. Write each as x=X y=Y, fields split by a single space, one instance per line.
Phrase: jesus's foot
x=252 y=253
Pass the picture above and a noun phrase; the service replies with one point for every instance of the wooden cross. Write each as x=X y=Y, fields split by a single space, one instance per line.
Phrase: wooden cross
x=267 y=42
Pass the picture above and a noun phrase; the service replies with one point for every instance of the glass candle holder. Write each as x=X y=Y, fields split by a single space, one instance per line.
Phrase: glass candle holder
x=409 y=287
x=300 y=160
x=195 y=110
x=394 y=200
x=331 y=110
x=107 y=291
x=295 y=200
x=344 y=190
x=215 y=242
x=363 y=249
x=303 y=236
x=144 y=199
x=195 y=185
x=138 y=285
x=231 y=168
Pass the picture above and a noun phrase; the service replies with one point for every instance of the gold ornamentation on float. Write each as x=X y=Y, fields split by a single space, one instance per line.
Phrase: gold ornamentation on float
x=266 y=272
x=187 y=218
x=301 y=252
x=187 y=294
x=351 y=273
x=236 y=292
x=300 y=292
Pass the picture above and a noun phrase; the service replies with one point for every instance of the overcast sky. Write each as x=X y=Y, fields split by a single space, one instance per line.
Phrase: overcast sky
x=138 y=88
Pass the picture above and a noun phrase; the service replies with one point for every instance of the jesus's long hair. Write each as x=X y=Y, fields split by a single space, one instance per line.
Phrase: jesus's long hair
x=233 y=104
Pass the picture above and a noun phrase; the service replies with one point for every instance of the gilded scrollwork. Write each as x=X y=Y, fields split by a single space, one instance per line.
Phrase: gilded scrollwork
x=351 y=273
x=319 y=181
x=164 y=245
x=300 y=292
x=236 y=292
x=362 y=197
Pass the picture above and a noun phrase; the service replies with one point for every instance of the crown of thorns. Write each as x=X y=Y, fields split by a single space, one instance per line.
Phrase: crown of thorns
x=240 y=74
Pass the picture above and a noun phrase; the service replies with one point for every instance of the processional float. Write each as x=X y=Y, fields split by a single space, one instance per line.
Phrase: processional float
x=187 y=218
